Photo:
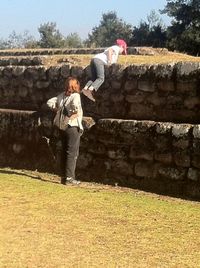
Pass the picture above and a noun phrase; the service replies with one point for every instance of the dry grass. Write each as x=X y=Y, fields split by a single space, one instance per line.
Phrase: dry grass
x=45 y=224
x=158 y=59
x=84 y=60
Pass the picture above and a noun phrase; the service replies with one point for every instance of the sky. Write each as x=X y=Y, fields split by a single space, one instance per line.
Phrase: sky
x=70 y=16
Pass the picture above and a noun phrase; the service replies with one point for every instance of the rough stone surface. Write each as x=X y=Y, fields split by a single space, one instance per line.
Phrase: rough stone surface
x=144 y=169
x=139 y=133
x=140 y=92
x=180 y=130
x=196 y=131
x=56 y=51
x=193 y=174
x=172 y=173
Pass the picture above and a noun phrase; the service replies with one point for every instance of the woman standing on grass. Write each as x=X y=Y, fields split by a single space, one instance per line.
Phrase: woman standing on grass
x=70 y=138
x=109 y=56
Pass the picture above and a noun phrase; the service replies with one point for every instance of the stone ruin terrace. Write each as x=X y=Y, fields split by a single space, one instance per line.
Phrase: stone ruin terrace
x=143 y=131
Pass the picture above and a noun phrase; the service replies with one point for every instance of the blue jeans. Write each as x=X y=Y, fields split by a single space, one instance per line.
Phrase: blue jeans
x=97 y=72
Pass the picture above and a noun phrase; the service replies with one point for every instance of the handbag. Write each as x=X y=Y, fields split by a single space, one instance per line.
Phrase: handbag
x=61 y=118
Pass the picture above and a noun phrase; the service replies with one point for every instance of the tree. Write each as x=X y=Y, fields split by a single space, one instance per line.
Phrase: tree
x=184 y=33
x=4 y=44
x=15 y=40
x=109 y=29
x=154 y=20
x=141 y=35
x=50 y=37
x=28 y=41
x=73 y=40
x=157 y=36
x=151 y=33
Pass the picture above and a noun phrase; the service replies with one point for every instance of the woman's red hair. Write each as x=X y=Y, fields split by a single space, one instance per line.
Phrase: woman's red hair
x=72 y=85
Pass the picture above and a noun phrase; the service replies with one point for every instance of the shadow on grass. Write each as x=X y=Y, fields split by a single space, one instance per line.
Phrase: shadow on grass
x=21 y=173
x=174 y=192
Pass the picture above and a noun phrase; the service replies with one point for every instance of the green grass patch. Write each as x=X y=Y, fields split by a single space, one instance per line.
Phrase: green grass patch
x=45 y=224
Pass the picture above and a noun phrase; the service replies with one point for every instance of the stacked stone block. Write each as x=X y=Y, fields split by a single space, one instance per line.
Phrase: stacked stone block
x=132 y=152
x=146 y=134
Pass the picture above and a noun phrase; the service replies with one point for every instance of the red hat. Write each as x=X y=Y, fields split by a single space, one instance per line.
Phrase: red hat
x=122 y=43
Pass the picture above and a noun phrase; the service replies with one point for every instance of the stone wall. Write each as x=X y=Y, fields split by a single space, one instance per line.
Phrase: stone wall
x=20 y=139
x=21 y=61
x=79 y=51
x=156 y=156
x=146 y=132
x=145 y=92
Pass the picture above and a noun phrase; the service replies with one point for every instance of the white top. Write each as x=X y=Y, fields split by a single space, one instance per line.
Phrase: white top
x=104 y=55
x=72 y=104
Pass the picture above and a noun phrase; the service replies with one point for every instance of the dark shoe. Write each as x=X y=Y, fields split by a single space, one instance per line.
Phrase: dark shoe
x=72 y=181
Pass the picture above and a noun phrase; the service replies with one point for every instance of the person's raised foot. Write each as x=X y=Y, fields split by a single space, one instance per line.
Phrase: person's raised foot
x=89 y=94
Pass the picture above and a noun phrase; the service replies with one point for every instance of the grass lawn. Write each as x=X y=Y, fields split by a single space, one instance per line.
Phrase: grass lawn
x=84 y=60
x=45 y=224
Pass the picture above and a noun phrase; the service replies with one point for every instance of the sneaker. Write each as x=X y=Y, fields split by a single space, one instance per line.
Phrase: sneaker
x=89 y=94
x=72 y=181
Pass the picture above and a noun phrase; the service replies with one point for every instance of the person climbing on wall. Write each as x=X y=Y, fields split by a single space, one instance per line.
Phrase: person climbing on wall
x=108 y=57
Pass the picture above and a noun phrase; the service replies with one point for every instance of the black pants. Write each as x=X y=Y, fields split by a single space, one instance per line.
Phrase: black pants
x=69 y=151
